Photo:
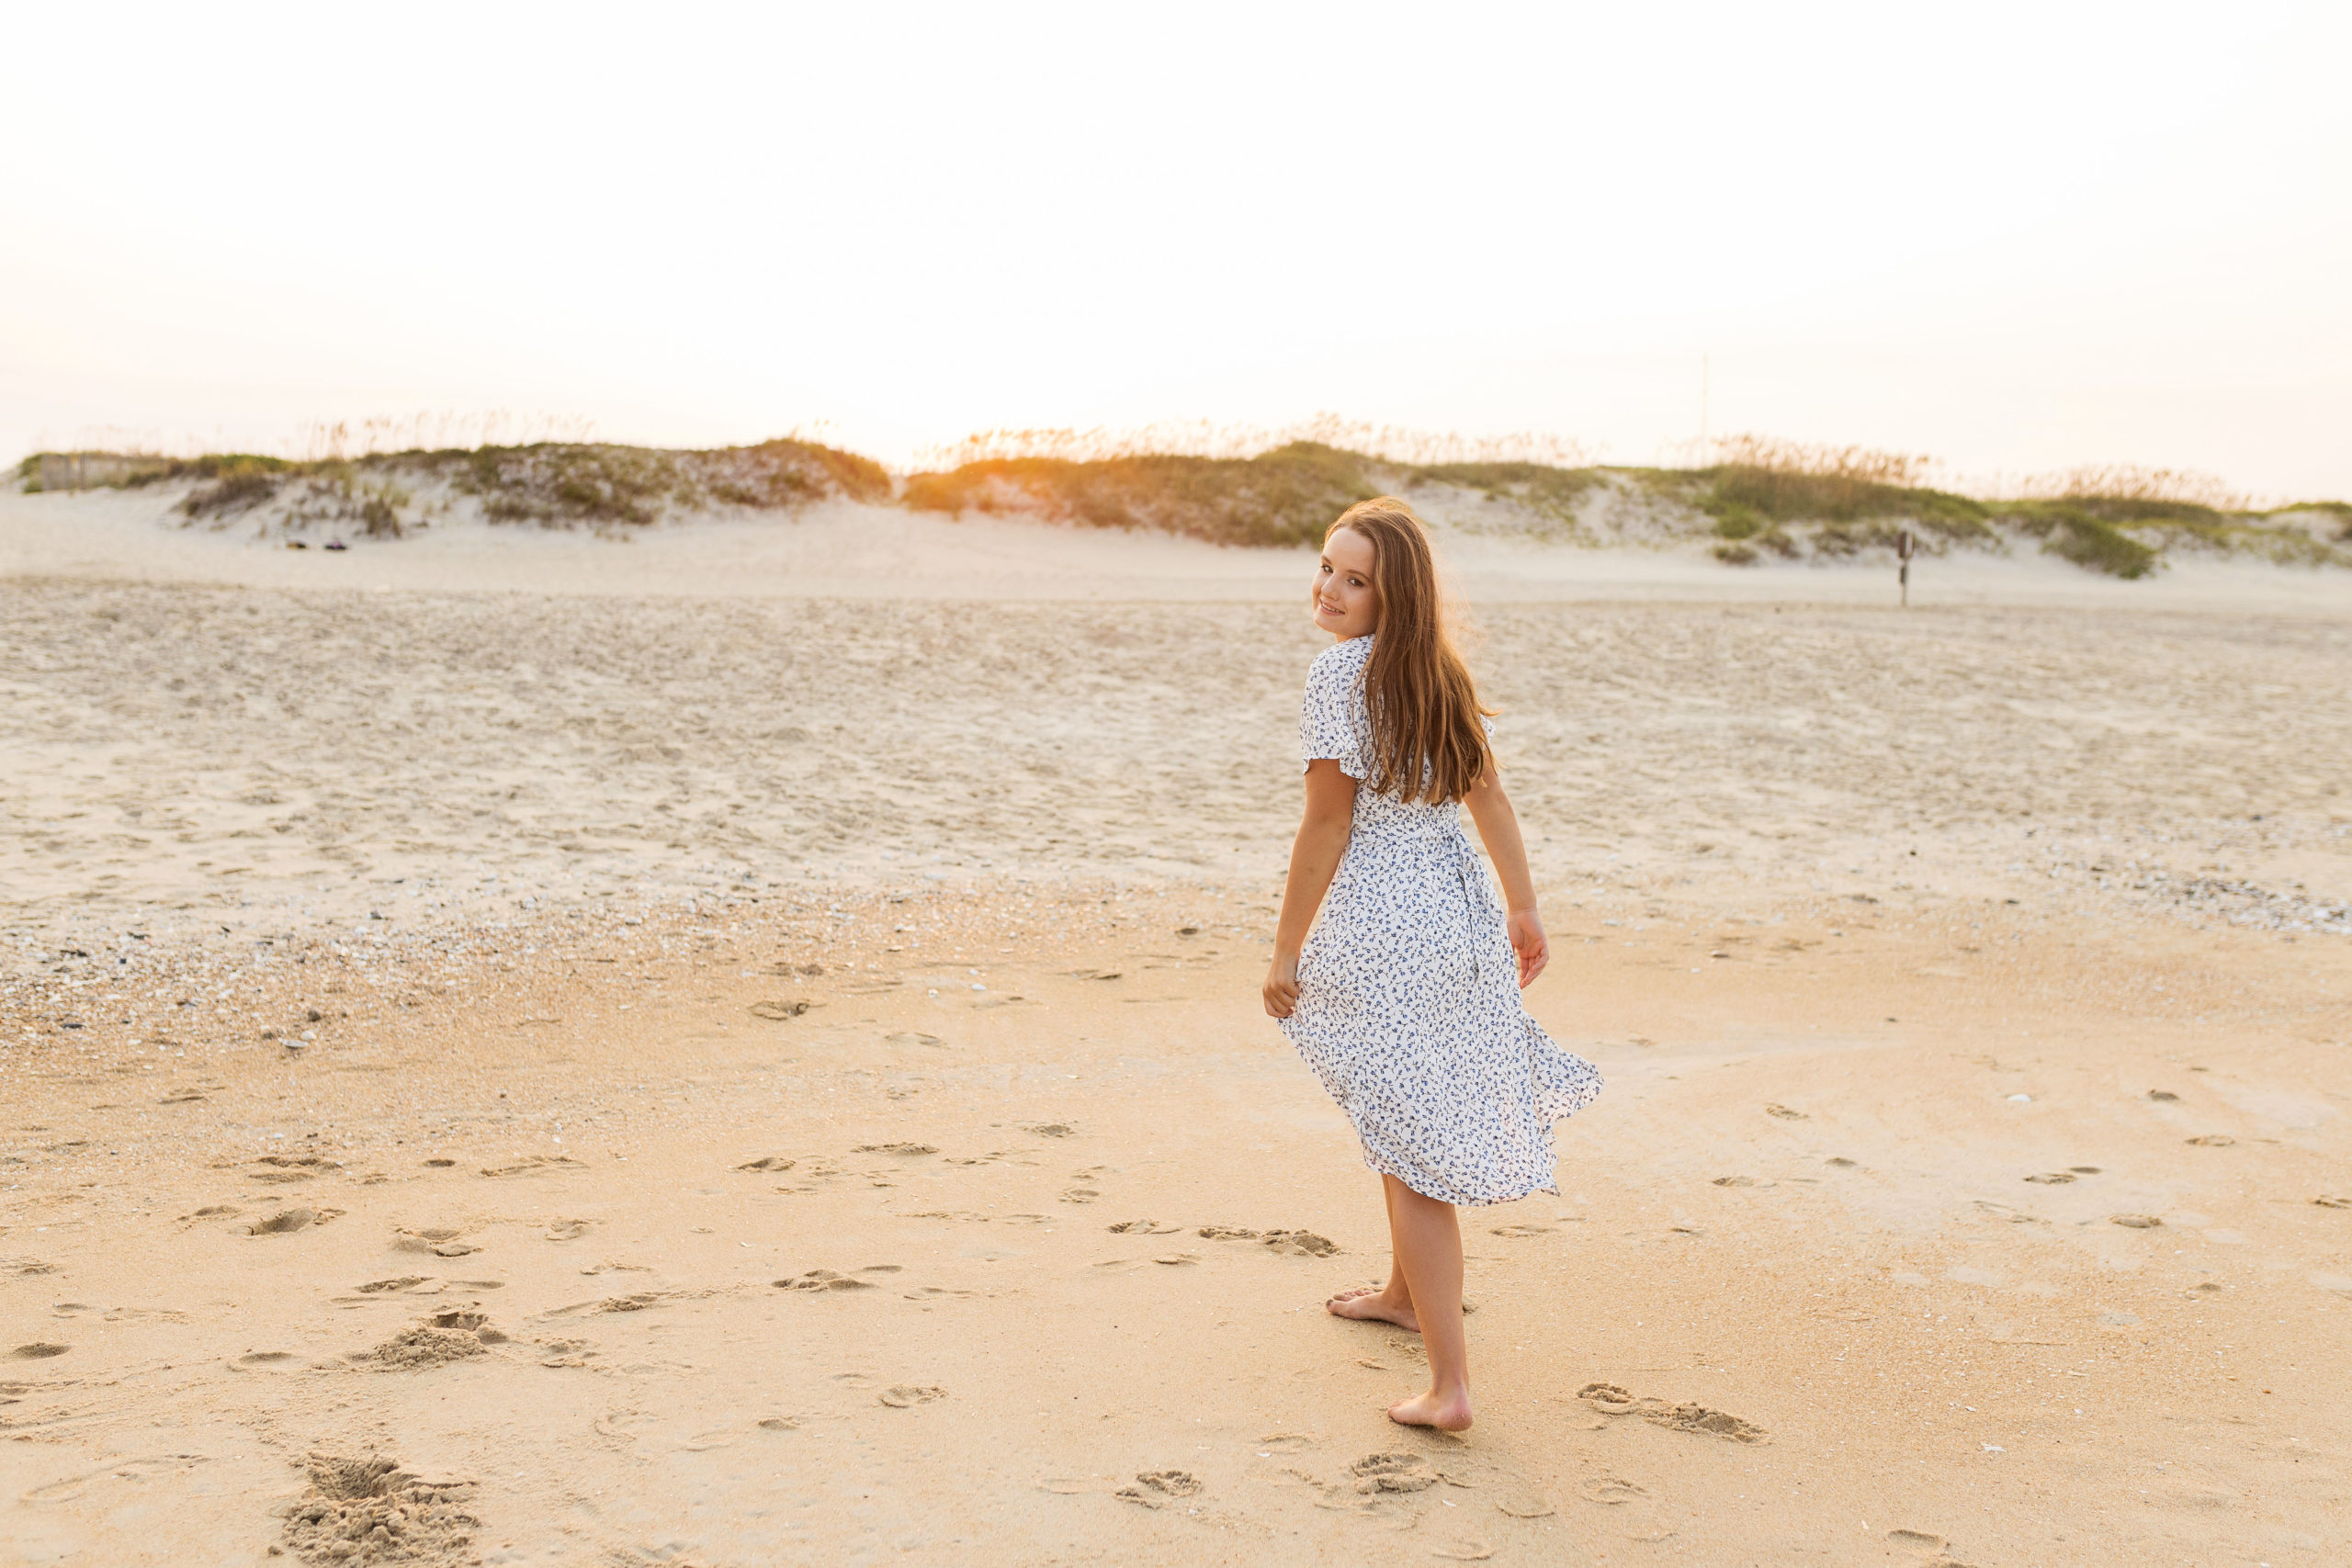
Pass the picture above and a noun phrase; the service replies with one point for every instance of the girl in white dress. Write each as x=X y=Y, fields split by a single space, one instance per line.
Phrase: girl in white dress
x=1404 y=1000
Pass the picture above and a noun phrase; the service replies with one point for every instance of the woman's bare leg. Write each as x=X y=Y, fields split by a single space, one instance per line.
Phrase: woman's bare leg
x=1427 y=1236
x=1394 y=1302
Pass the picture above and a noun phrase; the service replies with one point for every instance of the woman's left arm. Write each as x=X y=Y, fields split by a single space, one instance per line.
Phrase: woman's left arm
x=1498 y=828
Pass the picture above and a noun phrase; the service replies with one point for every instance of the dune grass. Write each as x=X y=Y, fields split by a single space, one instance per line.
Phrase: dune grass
x=1757 y=500
x=552 y=484
x=1287 y=496
x=1860 y=497
x=559 y=485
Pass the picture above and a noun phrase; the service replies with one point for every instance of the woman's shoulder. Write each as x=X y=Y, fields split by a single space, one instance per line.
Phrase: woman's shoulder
x=1340 y=661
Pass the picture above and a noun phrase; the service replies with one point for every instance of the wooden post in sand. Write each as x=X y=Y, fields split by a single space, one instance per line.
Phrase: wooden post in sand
x=1902 y=573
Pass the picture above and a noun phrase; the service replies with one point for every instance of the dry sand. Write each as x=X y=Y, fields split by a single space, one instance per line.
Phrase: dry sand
x=557 y=1058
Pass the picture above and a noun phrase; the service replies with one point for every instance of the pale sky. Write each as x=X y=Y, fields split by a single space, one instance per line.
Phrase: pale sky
x=2019 y=237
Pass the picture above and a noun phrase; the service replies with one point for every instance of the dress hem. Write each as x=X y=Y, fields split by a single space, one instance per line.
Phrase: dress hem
x=1378 y=1169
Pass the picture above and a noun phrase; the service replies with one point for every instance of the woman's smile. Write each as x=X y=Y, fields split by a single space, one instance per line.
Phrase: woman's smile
x=1346 y=603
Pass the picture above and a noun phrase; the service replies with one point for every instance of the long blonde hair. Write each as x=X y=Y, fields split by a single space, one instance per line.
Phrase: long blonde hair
x=1427 y=742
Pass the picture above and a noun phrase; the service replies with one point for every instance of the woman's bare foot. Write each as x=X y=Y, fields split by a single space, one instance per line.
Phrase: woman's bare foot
x=1373 y=1307
x=1447 y=1413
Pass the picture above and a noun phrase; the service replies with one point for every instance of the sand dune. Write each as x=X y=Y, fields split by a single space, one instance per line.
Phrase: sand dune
x=524 y=1054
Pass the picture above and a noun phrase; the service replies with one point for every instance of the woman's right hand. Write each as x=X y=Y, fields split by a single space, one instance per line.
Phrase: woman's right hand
x=1282 y=987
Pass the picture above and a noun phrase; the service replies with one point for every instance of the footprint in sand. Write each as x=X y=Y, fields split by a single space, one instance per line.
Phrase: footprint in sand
x=1049 y=1129
x=937 y=1293
x=767 y=1162
x=911 y=1038
x=379 y=1287
x=1176 y=1259
x=2053 y=1177
x=2214 y=1141
x=778 y=1011
x=264 y=1360
x=1734 y=1181
x=1302 y=1244
x=1464 y=1551
x=1156 y=1227
x=39 y=1350
x=622 y=1426
x=1080 y=1195
x=904 y=1395
x=374 y=1510
x=1919 y=1541
x=1611 y=1399
x=1785 y=1114
x=422 y=1347
x=1924 y=1542
x=441 y=1241
x=904 y=1150
x=1392 y=1472
x=1611 y=1491
x=1225 y=1233
x=638 y=1302
x=565 y=1230
x=1158 y=1488
x=530 y=1163
x=823 y=1279
x=440 y=1163
x=283 y=1168
x=287 y=1221
x=2135 y=1221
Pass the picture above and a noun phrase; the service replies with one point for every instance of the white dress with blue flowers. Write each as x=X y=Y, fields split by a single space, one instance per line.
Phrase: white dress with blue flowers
x=1409 y=1007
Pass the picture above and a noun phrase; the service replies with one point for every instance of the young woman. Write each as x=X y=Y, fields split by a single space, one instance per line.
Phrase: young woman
x=1405 y=1000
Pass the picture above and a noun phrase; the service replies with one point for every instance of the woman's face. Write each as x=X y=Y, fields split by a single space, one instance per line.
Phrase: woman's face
x=1346 y=604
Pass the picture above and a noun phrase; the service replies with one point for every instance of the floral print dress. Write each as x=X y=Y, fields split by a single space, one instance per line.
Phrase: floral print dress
x=1409 y=1007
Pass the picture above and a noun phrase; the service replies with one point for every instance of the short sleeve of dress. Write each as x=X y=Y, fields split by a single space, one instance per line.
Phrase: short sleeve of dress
x=1332 y=718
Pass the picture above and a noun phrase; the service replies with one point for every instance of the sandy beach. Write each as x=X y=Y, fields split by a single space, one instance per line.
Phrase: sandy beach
x=743 y=1047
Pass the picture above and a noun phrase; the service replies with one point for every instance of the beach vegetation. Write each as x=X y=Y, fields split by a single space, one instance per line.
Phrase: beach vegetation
x=233 y=492
x=557 y=485
x=1287 y=496
x=552 y=484
x=1860 y=495
x=1541 y=487
x=2074 y=533
x=1750 y=498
